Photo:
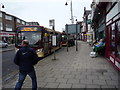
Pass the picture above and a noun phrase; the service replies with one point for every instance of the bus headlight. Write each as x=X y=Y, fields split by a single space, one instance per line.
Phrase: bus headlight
x=40 y=52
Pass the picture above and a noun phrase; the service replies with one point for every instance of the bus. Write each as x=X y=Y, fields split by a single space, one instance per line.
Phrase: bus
x=67 y=39
x=39 y=37
x=64 y=39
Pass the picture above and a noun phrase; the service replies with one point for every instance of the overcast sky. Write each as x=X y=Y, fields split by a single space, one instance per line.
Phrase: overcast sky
x=44 y=10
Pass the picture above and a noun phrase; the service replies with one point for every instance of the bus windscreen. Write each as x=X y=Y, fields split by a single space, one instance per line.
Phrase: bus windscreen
x=32 y=34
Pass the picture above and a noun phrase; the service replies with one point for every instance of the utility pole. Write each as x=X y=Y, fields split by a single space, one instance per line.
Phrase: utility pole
x=72 y=14
x=54 y=43
x=54 y=35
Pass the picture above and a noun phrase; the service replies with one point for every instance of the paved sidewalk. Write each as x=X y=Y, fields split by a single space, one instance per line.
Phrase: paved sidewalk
x=73 y=70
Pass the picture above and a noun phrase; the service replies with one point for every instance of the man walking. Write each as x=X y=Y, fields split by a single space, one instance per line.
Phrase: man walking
x=26 y=58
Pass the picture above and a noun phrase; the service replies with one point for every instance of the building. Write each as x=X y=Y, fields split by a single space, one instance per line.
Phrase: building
x=89 y=33
x=106 y=24
x=7 y=27
x=113 y=33
x=86 y=25
x=81 y=27
x=33 y=23
x=98 y=19
x=8 y=24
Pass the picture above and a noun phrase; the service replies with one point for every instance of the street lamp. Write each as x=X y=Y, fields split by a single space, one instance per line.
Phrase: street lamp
x=1 y=6
x=72 y=18
x=76 y=18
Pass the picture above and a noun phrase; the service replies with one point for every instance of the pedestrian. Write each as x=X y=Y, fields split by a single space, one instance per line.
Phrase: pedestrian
x=26 y=58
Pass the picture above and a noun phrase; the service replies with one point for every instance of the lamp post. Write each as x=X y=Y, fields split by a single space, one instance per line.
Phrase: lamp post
x=76 y=35
x=67 y=35
x=1 y=6
x=72 y=18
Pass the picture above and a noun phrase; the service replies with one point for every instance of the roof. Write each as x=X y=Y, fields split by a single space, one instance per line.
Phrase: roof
x=11 y=15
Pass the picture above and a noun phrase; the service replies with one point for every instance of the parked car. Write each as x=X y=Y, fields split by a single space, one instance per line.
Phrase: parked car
x=3 y=44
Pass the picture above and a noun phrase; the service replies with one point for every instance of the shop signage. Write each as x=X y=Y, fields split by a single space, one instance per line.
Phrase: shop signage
x=89 y=21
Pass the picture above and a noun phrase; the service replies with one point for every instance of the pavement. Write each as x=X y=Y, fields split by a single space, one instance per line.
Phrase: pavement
x=73 y=69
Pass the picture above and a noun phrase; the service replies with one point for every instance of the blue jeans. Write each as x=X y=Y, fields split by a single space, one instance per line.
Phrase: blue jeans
x=22 y=77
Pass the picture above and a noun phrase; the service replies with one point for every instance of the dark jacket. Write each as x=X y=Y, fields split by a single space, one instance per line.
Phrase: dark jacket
x=26 y=58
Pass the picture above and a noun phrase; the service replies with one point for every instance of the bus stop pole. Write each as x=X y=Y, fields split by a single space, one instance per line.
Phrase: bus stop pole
x=54 y=35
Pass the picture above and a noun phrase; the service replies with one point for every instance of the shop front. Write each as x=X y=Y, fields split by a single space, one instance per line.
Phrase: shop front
x=113 y=40
x=85 y=37
x=7 y=37
x=89 y=37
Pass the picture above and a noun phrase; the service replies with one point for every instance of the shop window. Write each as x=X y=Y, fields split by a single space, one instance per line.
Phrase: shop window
x=113 y=39
x=118 y=40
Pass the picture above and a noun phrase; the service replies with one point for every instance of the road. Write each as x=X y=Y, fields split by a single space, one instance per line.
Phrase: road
x=8 y=66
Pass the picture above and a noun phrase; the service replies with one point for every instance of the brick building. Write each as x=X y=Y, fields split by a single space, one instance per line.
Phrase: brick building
x=86 y=25
x=8 y=23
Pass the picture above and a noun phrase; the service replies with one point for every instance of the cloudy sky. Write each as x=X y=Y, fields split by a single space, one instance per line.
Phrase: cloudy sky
x=44 y=10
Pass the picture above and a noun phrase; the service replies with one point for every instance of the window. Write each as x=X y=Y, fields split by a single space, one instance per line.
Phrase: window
x=112 y=12
x=118 y=40
x=33 y=37
x=18 y=20
x=23 y=22
x=8 y=17
x=8 y=27
x=1 y=26
x=0 y=14
x=113 y=39
x=27 y=24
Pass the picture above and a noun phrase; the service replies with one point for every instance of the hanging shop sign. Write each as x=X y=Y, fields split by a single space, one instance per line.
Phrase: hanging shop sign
x=89 y=21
